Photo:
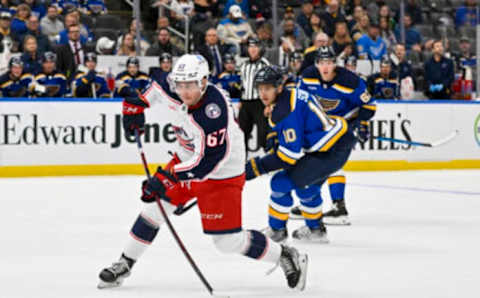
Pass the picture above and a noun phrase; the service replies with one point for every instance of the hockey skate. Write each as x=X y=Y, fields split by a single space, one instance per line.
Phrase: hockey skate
x=305 y=233
x=296 y=213
x=338 y=215
x=294 y=265
x=279 y=236
x=114 y=275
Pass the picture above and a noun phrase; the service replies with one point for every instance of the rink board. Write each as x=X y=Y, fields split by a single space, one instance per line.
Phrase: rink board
x=49 y=137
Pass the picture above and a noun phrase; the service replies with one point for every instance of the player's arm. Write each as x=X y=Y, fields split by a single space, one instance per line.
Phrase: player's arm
x=210 y=144
x=82 y=84
x=289 y=150
x=367 y=109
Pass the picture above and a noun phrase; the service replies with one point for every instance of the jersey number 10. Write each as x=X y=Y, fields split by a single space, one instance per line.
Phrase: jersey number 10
x=216 y=138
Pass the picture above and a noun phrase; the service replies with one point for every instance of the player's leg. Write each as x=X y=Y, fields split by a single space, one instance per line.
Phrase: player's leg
x=245 y=121
x=142 y=234
x=261 y=122
x=221 y=218
x=338 y=215
x=311 y=208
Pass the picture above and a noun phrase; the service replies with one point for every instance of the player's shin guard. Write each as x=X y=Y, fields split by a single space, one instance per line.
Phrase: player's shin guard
x=311 y=205
x=336 y=185
x=280 y=200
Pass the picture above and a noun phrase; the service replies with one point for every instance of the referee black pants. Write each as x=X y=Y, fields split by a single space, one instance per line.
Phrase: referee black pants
x=251 y=112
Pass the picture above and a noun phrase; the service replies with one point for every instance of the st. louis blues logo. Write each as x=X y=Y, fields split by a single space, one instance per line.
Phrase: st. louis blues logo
x=183 y=139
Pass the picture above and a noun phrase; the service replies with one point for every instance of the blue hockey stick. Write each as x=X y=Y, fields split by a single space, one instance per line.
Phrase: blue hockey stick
x=422 y=144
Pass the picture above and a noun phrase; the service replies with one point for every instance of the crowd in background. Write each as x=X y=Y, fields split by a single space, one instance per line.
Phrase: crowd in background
x=436 y=56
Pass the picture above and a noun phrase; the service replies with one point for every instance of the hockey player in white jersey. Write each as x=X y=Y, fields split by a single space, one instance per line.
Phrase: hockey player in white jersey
x=209 y=166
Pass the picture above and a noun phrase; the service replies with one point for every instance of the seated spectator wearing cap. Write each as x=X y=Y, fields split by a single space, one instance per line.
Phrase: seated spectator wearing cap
x=467 y=14
x=371 y=46
x=332 y=15
x=384 y=84
x=95 y=7
x=132 y=81
x=88 y=81
x=320 y=39
x=33 y=26
x=19 y=26
x=51 y=25
x=16 y=82
x=71 y=54
x=439 y=74
x=159 y=74
x=7 y=37
x=412 y=37
x=213 y=51
x=51 y=83
x=105 y=46
x=229 y=79
x=31 y=56
x=243 y=4
x=163 y=45
x=234 y=29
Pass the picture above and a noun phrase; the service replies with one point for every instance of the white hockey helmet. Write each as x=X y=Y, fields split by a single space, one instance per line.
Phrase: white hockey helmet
x=189 y=68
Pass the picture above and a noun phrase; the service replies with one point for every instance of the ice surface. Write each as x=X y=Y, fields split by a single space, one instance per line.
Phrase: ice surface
x=414 y=234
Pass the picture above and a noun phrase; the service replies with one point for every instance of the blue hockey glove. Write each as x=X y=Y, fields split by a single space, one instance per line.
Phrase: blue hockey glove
x=271 y=144
x=157 y=185
x=254 y=168
x=362 y=131
x=90 y=77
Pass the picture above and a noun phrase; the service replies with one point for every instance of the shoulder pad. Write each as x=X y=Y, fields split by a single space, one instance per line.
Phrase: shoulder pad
x=311 y=72
x=40 y=76
x=60 y=75
x=309 y=50
x=283 y=106
x=345 y=80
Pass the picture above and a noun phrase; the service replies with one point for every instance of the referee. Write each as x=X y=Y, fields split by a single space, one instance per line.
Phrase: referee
x=251 y=110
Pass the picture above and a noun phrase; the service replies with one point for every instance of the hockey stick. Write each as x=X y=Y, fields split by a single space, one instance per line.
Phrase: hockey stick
x=169 y=224
x=422 y=144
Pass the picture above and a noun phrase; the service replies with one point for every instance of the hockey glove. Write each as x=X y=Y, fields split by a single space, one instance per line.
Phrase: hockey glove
x=362 y=131
x=254 y=168
x=271 y=144
x=158 y=185
x=174 y=161
x=133 y=116
x=90 y=77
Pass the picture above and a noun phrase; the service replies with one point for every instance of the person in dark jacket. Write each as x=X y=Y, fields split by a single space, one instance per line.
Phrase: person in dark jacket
x=163 y=45
x=159 y=73
x=439 y=74
x=33 y=26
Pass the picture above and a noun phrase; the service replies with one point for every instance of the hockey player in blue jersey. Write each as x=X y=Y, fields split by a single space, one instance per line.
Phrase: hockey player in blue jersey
x=131 y=78
x=311 y=146
x=341 y=93
x=15 y=82
x=90 y=83
x=229 y=80
x=54 y=83
x=384 y=84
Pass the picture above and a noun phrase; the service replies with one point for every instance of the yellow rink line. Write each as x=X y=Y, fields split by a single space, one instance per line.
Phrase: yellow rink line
x=137 y=169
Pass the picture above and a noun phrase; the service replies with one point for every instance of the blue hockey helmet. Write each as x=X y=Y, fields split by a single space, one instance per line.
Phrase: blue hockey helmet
x=49 y=57
x=15 y=61
x=325 y=53
x=134 y=61
x=270 y=74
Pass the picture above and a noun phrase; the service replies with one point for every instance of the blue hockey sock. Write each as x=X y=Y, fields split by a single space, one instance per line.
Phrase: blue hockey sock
x=336 y=184
x=310 y=205
x=143 y=230
x=280 y=200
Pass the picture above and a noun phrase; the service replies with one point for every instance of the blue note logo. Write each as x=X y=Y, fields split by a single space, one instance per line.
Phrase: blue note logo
x=476 y=131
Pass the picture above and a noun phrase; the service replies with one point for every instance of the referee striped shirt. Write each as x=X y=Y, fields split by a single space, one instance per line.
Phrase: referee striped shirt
x=248 y=70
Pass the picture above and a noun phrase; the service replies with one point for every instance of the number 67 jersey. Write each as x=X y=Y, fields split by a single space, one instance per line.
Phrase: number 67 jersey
x=210 y=142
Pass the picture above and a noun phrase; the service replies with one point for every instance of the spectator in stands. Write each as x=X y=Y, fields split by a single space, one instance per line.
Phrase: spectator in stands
x=281 y=55
x=127 y=47
x=341 y=39
x=31 y=56
x=105 y=46
x=19 y=26
x=399 y=63
x=7 y=37
x=319 y=40
x=52 y=83
x=229 y=79
x=412 y=36
x=144 y=44
x=291 y=30
x=63 y=36
x=37 y=9
x=33 y=26
x=372 y=46
x=71 y=54
x=289 y=13
x=84 y=30
x=234 y=29
x=350 y=63
x=373 y=9
x=261 y=9
x=16 y=82
x=465 y=58
x=67 y=5
x=205 y=9
x=132 y=81
x=413 y=9
x=296 y=60
x=332 y=15
x=213 y=51
x=358 y=13
x=51 y=25
x=385 y=12
x=303 y=19
x=184 y=7
x=439 y=74
x=164 y=22
x=265 y=35
x=95 y=7
x=88 y=81
x=243 y=4
x=384 y=85
x=467 y=14
x=315 y=24
x=386 y=33
x=361 y=28
x=163 y=45
x=159 y=74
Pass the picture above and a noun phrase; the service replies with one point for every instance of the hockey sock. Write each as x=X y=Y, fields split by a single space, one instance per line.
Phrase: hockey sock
x=143 y=232
x=310 y=205
x=261 y=248
x=278 y=210
x=336 y=184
